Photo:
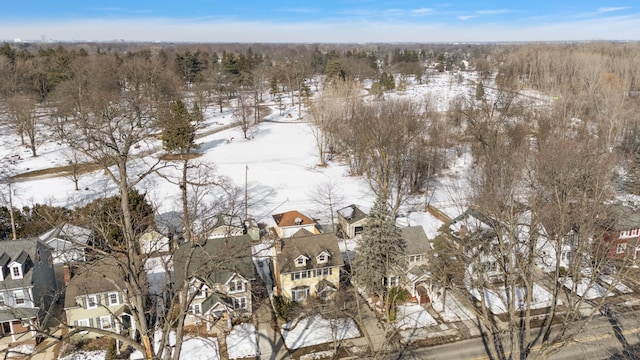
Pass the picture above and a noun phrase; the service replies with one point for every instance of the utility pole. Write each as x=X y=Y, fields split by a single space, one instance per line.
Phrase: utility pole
x=246 y=192
x=13 y=222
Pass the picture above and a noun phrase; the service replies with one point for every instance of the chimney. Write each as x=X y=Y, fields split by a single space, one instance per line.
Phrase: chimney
x=463 y=232
x=279 y=245
x=66 y=274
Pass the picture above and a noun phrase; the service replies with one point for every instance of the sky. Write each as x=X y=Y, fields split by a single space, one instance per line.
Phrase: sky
x=313 y=21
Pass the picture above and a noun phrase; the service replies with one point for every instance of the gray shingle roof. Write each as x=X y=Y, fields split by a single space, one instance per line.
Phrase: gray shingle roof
x=416 y=240
x=309 y=246
x=352 y=213
x=19 y=250
x=215 y=260
x=93 y=278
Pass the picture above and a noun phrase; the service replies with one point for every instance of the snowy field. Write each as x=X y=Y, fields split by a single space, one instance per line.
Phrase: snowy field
x=86 y=355
x=453 y=310
x=193 y=348
x=317 y=330
x=281 y=160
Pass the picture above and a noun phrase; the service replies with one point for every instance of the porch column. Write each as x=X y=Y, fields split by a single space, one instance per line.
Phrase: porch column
x=13 y=336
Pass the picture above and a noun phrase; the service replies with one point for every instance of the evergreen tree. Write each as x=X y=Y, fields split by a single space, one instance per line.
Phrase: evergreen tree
x=480 y=91
x=381 y=251
x=179 y=132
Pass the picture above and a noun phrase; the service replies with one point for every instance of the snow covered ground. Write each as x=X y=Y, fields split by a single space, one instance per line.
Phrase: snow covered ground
x=453 y=311
x=281 y=160
x=193 y=348
x=413 y=316
x=586 y=288
x=496 y=300
x=242 y=342
x=316 y=330
x=86 y=355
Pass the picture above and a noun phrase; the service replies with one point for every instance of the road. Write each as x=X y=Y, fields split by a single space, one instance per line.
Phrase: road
x=598 y=341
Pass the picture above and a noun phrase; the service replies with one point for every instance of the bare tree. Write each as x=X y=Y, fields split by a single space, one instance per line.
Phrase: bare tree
x=24 y=120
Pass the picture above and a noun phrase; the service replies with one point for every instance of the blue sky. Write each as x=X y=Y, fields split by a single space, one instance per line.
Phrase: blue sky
x=320 y=21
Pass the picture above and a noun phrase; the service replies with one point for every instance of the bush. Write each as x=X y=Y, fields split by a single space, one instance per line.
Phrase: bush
x=283 y=307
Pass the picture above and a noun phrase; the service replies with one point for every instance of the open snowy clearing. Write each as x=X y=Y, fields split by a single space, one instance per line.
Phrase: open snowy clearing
x=413 y=316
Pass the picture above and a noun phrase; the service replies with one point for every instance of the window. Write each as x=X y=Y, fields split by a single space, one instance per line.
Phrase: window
x=105 y=322
x=415 y=258
x=323 y=272
x=195 y=309
x=300 y=294
x=566 y=256
x=490 y=266
x=236 y=286
x=16 y=272
x=92 y=301
x=19 y=297
x=322 y=258
x=393 y=281
x=301 y=261
x=240 y=303
x=113 y=299
x=83 y=322
x=621 y=248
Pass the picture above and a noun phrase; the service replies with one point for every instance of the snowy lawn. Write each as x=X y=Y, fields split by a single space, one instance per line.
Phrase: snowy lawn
x=412 y=317
x=86 y=355
x=453 y=311
x=586 y=288
x=496 y=300
x=242 y=341
x=620 y=287
x=316 y=330
x=193 y=348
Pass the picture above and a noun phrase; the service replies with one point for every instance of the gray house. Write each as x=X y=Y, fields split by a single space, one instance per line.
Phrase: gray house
x=220 y=273
x=27 y=287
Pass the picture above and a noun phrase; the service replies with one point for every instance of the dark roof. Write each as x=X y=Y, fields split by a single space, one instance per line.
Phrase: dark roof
x=20 y=250
x=352 y=213
x=93 y=278
x=302 y=232
x=621 y=217
x=214 y=260
x=289 y=219
x=416 y=240
x=309 y=246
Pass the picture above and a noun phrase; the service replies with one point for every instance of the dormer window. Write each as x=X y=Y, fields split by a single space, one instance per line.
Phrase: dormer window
x=323 y=257
x=16 y=272
x=236 y=286
x=301 y=261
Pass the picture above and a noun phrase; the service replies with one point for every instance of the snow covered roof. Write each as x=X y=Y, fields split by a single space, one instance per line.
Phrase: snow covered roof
x=352 y=213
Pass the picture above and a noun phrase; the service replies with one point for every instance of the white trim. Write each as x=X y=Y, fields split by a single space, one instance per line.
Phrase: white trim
x=95 y=301
x=237 y=289
x=117 y=302
x=108 y=321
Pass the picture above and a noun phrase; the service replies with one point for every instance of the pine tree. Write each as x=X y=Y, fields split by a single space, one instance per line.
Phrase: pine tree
x=179 y=133
x=380 y=252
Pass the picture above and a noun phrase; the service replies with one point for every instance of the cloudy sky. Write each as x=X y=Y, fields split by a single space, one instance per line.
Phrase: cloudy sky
x=320 y=20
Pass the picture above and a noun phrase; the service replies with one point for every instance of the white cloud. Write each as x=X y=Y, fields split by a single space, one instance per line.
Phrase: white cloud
x=465 y=17
x=421 y=11
x=493 y=11
x=612 y=9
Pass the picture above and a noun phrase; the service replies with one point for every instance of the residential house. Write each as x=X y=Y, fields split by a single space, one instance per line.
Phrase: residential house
x=68 y=243
x=477 y=241
x=417 y=275
x=94 y=300
x=153 y=242
x=622 y=232
x=351 y=221
x=220 y=273
x=27 y=287
x=233 y=225
x=290 y=222
x=307 y=266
